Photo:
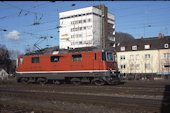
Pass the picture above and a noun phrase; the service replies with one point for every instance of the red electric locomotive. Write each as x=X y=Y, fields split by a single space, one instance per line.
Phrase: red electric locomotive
x=95 y=66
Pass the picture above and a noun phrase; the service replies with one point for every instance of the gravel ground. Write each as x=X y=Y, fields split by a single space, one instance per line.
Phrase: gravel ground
x=128 y=97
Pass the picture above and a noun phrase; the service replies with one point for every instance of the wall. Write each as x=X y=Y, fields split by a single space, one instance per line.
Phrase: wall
x=131 y=65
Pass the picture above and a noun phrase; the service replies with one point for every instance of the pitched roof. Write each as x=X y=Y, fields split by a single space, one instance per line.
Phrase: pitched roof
x=154 y=42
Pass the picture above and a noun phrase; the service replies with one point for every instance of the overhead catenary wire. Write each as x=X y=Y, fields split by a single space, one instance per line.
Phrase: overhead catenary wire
x=20 y=8
x=45 y=21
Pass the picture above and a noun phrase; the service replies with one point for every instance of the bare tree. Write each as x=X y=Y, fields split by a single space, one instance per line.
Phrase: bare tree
x=5 y=61
x=14 y=54
x=120 y=37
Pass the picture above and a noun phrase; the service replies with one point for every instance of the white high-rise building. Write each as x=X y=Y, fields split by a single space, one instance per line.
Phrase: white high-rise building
x=85 y=27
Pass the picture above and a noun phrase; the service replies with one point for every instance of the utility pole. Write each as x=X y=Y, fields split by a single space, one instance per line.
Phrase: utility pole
x=103 y=37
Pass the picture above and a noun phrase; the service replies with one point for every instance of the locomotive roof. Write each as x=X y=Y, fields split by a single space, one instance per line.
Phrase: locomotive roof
x=49 y=51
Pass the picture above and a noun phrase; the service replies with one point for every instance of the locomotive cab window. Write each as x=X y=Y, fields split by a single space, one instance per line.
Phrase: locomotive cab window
x=77 y=57
x=35 y=60
x=107 y=56
x=55 y=58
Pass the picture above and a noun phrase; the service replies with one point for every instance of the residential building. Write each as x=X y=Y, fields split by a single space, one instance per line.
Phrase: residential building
x=86 y=27
x=164 y=58
x=144 y=56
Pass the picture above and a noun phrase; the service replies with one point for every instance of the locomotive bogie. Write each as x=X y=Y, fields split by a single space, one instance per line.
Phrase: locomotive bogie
x=75 y=78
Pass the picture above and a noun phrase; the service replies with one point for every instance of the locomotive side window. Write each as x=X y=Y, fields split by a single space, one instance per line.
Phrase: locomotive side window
x=35 y=60
x=95 y=56
x=55 y=58
x=77 y=57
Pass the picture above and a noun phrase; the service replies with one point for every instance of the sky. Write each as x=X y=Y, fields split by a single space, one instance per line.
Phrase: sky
x=34 y=23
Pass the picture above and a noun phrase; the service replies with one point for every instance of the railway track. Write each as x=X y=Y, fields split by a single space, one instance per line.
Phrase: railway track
x=132 y=97
x=18 y=108
x=93 y=89
x=109 y=101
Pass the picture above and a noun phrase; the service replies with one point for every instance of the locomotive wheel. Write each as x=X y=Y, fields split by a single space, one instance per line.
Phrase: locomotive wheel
x=41 y=80
x=98 y=82
x=24 y=80
x=75 y=81
x=56 y=82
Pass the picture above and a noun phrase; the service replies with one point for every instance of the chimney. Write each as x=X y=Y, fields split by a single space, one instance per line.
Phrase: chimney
x=141 y=37
x=160 y=36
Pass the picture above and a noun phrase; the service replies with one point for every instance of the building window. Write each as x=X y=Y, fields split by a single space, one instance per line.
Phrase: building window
x=137 y=57
x=131 y=57
x=147 y=56
x=122 y=57
x=80 y=42
x=35 y=60
x=21 y=60
x=122 y=48
x=76 y=36
x=131 y=66
x=89 y=27
x=147 y=46
x=166 y=45
x=166 y=55
x=80 y=28
x=134 y=47
x=166 y=66
x=80 y=21
x=137 y=66
x=122 y=66
x=77 y=57
x=55 y=58
x=147 y=66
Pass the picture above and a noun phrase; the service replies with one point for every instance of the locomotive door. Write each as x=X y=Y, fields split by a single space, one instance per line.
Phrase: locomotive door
x=20 y=63
x=96 y=61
